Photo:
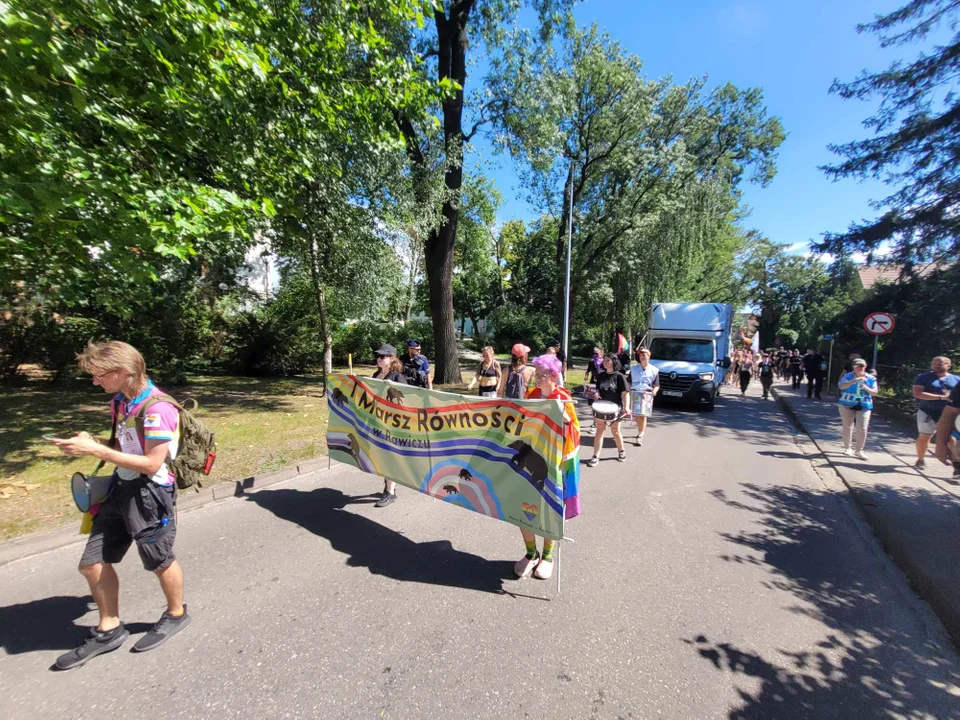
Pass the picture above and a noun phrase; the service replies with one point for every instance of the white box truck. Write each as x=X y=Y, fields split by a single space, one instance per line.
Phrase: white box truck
x=690 y=346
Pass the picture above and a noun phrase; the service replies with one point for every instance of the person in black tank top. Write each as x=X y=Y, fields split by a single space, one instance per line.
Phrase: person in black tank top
x=488 y=374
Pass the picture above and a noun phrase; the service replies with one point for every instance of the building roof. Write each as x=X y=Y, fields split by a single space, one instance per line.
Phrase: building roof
x=870 y=275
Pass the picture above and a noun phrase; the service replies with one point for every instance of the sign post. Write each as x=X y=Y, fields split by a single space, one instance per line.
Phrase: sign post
x=877 y=324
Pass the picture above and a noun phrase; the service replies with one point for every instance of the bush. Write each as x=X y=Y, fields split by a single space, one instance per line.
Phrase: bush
x=360 y=340
x=265 y=342
x=512 y=324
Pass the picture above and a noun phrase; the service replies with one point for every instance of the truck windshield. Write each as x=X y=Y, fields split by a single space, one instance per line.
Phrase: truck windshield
x=694 y=351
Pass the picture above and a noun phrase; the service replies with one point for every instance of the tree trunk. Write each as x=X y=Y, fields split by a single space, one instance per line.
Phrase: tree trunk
x=320 y=296
x=452 y=64
x=439 y=261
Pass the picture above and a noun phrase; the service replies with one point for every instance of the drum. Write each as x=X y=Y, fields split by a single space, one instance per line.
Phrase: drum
x=605 y=410
x=91 y=490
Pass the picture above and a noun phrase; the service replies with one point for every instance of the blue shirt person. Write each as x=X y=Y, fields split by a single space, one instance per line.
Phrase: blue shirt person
x=932 y=389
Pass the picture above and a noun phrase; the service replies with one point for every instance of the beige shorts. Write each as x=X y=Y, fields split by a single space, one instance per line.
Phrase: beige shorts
x=926 y=425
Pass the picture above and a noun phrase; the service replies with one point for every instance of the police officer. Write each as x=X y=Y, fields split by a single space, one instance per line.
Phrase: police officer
x=416 y=367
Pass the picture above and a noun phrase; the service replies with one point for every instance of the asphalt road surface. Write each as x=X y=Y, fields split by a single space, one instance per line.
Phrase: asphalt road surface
x=714 y=574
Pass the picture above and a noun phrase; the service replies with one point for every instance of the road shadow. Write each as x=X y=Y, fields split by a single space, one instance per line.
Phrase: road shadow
x=49 y=624
x=870 y=664
x=378 y=548
x=749 y=419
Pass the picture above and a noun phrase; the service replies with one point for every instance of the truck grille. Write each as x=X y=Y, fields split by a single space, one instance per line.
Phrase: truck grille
x=680 y=383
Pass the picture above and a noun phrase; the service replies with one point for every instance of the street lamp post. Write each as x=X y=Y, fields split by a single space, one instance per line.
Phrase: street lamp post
x=566 y=292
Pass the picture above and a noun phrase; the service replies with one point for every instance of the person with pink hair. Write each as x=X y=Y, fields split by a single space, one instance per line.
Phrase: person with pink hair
x=547 y=371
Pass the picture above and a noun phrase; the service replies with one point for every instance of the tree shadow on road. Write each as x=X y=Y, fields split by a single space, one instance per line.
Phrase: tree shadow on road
x=870 y=662
x=381 y=550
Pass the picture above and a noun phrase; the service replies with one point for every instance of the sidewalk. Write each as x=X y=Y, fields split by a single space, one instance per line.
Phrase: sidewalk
x=915 y=513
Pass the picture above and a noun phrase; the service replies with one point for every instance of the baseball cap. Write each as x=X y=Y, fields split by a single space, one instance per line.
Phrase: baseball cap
x=386 y=350
x=860 y=361
x=519 y=349
x=413 y=343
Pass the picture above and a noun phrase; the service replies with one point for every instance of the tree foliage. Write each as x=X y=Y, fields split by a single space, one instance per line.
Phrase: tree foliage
x=651 y=168
x=915 y=144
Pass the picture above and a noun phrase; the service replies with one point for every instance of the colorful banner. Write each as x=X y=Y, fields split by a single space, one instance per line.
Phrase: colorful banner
x=495 y=456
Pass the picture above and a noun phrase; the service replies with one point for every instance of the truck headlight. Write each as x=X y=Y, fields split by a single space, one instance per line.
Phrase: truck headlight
x=706 y=376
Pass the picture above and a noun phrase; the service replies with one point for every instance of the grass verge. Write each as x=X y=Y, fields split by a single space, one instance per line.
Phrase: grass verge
x=261 y=424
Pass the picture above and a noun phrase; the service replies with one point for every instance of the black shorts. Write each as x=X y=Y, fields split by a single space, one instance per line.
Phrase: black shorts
x=136 y=510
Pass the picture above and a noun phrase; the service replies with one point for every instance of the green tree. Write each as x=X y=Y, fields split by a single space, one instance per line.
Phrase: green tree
x=633 y=156
x=457 y=26
x=916 y=141
x=475 y=280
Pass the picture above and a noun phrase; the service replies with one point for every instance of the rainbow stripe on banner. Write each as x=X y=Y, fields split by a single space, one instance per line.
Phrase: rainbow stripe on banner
x=495 y=456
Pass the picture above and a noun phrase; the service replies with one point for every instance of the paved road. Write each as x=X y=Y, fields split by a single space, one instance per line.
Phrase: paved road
x=714 y=574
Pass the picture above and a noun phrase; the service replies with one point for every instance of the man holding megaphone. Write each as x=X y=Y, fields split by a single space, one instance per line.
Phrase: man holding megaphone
x=141 y=505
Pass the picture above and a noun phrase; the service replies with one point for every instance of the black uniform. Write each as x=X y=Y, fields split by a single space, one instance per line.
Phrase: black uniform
x=796 y=371
x=417 y=369
x=766 y=377
x=815 y=367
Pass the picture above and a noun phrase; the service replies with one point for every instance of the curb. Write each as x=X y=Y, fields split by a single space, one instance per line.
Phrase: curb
x=944 y=605
x=46 y=540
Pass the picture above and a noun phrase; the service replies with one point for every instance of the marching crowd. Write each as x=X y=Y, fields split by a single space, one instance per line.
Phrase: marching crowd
x=151 y=435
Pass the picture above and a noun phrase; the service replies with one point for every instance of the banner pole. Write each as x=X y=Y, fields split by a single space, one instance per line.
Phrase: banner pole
x=559 y=543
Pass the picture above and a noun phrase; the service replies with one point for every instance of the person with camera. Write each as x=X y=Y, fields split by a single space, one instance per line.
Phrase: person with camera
x=141 y=506
x=857 y=389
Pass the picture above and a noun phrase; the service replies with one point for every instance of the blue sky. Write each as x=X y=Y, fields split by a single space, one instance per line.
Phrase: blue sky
x=793 y=51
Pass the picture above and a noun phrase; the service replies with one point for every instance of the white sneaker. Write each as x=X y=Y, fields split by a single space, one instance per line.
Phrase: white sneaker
x=525 y=565
x=544 y=570
x=848 y=451
x=861 y=455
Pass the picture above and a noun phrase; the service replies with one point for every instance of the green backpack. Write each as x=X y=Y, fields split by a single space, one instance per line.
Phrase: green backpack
x=197 y=448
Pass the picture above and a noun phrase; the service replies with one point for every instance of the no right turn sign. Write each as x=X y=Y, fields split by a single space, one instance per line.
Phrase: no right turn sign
x=879 y=323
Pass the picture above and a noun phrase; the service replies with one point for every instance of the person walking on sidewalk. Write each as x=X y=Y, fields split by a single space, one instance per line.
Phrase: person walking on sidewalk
x=931 y=390
x=948 y=430
x=796 y=369
x=141 y=506
x=766 y=375
x=814 y=366
x=857 y=389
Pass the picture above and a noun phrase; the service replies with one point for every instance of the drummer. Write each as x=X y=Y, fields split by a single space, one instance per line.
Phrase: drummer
x=611 y=407
x=644 y=385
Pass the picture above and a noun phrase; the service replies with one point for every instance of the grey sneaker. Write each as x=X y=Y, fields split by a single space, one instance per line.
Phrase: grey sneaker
x=97 y=644
x=593 y=462
x=920 y=463
x=385 y=500
x=166 y=626
x=639 y=441
x=622 y=456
